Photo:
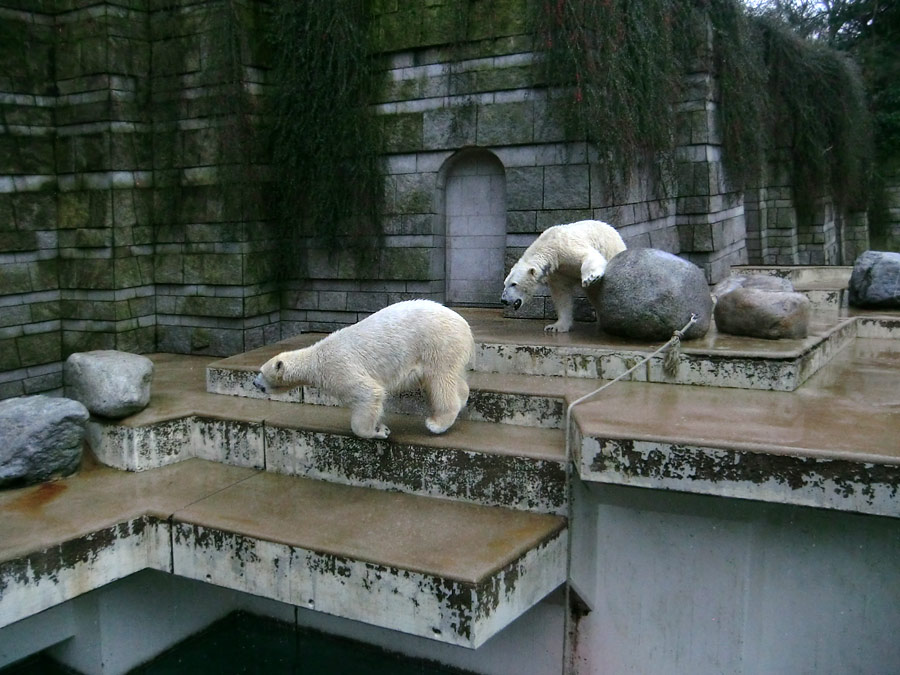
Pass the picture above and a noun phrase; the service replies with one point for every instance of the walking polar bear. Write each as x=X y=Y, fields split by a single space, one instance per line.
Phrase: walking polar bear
x=415 y=344
x=562 y=257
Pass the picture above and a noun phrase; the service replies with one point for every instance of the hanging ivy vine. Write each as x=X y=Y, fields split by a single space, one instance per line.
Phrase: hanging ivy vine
x=818 y=105
x=618 y=69
x=325 y=142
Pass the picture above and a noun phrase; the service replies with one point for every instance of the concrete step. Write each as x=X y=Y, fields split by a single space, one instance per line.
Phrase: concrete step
x=832 y=444
x=479 y=462
x=715 y=360
x=444 y=570
x=524 y=349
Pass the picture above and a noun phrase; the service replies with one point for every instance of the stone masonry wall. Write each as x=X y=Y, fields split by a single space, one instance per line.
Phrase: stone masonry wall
x=30 y=337
x=441 y=102
x=122 y=226
x=213 y=267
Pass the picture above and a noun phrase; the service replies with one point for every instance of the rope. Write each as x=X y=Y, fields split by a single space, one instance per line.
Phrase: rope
x=669 y=365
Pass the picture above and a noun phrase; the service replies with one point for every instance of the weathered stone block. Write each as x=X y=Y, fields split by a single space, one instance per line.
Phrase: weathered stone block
x=128 y=273
x=567 y=187
x=414 y=193
x=15 y=278
x=35 y=211
x=212 y=268
x=197 y=305
x=92 y=273
x=505 y=123
x=524 y=188
x=406 y=263
x=403 y=132
x=73 y=209
x=38 y=348
x=449 y=127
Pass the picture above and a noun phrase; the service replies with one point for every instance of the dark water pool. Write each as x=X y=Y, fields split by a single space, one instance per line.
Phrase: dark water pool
x=244 y=644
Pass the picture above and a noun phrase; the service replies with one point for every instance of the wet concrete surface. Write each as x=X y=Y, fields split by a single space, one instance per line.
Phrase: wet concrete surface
x=448 y=539
x=848 y=410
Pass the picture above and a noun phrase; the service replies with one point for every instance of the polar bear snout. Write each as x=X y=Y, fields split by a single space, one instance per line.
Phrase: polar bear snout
x=259 y=383
x=507 y=299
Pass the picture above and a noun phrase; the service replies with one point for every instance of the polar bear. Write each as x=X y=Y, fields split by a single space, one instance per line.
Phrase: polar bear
x=561 y=257
x=414 y=344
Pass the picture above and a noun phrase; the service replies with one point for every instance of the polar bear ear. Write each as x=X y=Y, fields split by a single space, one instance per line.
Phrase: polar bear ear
x=533 y=271
x=279 y=365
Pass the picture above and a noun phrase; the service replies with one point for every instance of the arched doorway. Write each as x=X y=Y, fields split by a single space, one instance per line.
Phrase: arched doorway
x=475 y=212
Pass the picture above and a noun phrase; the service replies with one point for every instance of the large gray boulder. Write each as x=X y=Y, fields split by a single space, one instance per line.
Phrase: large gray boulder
x=41 y=437
x=109 y=383
x=647 y=294
x=763 y=313
x=875 y=281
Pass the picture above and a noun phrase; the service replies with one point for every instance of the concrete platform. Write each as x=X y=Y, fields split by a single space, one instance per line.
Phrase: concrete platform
x=522 y=347
x=834 y=443
x=828 y=439
x=445 y=570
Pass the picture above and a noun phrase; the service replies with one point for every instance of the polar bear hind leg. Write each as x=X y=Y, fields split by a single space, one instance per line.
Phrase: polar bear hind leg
x=367 y=410
x=562 y=291
x=462 y=390
x=445 y=396
x=592 y=268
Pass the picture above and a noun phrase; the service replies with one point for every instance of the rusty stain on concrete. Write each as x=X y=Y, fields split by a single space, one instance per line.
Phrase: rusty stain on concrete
x=37 y=497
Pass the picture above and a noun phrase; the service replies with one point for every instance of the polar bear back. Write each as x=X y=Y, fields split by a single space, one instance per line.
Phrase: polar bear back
x=562 y=247
x=400 y=343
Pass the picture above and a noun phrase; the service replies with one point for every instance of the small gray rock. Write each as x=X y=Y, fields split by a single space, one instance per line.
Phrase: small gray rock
x=875 y=281
x=41 y=437
x=647 y=294
x=761 y=313
x=109 y=383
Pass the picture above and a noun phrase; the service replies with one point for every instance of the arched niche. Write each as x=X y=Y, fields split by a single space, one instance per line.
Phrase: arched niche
x=475 y=228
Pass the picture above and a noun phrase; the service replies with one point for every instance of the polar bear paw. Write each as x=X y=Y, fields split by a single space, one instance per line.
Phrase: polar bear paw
x=591 y=278
x=557 y=328
x=381 y=431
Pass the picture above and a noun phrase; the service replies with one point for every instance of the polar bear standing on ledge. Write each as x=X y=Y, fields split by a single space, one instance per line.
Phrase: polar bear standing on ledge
x=415 y=344
x=562 y=257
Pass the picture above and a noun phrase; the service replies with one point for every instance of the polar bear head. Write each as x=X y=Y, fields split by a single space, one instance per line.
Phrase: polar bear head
x=520 y=284
x=273 y=376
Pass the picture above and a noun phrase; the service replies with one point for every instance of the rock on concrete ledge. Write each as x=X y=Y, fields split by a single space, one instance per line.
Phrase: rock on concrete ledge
x=109 y=383
x=41 y=437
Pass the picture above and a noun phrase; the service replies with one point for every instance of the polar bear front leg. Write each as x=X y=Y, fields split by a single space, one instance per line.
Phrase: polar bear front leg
x=562 y=291
x=367 y=409
x=592 y=268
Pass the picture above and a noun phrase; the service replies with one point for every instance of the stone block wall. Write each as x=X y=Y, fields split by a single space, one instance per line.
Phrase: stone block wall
x=777 y=235
x=30 y=320
x=213 y=265
x=103 y=177
x=446 y=102
x=892 y=206
x=123 y=224
x=710 y=214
